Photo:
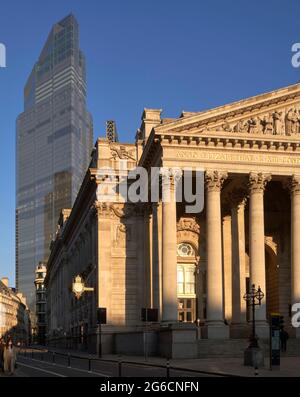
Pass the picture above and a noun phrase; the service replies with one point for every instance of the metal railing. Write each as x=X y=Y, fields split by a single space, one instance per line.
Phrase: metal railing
x=51 y=356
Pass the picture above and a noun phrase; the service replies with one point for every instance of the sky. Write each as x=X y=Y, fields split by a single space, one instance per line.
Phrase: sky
x=171 y=54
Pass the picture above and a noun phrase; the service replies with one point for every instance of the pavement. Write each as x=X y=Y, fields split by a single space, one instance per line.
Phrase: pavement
x=42 y=365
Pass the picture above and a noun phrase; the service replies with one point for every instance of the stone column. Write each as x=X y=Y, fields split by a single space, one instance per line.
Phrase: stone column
x=155 y=257
x=147 y=232
x=257 y=183
x=151 y=278
x=215 y=316
x=295 y=246
x=227 y=264
x=238 y=326
x=169 y=247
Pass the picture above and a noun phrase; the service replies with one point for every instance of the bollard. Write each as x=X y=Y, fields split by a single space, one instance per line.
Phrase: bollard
x=69 y=360
x=168 y=368
x=90 y=365
x=255 y=371
x=120 y=369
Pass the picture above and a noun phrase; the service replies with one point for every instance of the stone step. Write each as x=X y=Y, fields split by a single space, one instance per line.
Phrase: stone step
x=234 y=348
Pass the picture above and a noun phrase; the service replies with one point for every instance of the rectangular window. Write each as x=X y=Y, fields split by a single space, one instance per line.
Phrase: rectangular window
x=186 y=279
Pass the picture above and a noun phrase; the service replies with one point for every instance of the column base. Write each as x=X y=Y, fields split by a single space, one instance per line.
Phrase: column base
x=216 y=330
x=178 y=340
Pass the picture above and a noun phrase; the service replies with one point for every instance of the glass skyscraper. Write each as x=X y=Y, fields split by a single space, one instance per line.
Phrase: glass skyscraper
x=54 y=142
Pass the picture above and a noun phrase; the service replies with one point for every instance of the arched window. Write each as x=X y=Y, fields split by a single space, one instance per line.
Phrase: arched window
x=186 y=283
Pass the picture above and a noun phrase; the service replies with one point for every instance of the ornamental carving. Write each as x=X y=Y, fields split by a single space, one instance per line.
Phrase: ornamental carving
x=122 y=236
x=215 y=179
x=258 y=181
x=278 y=122
x=294 y=184
x=188 y=224
x=114 y=210
x=122 y=153
x=170 y=175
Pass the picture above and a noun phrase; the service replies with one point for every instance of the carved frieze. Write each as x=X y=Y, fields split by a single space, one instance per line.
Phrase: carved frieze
x=278 y=122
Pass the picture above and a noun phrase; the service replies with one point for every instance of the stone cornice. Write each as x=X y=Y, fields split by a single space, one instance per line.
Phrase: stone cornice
x=241 y=140
x=257 y=143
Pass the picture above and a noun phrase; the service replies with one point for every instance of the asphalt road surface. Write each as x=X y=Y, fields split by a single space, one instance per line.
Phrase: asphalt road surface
x=42 y=366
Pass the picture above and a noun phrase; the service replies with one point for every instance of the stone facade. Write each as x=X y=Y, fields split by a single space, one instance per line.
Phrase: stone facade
x=14 y=315
x=193 y=268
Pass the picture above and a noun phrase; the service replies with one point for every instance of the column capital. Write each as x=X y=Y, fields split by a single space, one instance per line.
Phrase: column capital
x=170 y=175
x=294 y=184
x=236 y=198
x=214 y=180
x=258 y=181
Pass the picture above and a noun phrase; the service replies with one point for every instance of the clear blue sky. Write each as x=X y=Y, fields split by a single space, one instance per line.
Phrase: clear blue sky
x=171 y=54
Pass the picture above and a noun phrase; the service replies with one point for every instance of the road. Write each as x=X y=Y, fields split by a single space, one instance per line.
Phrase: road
x=41 y=365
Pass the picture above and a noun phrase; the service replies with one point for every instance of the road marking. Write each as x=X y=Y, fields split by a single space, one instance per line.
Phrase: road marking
x=42 y=370
x=70 y=368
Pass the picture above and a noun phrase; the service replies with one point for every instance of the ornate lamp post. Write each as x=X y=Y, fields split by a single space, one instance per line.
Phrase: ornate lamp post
x=253 y=354
x=254 y=298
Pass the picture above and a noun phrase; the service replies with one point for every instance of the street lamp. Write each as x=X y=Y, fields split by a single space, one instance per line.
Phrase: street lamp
x=254 y=298
x=253 y=355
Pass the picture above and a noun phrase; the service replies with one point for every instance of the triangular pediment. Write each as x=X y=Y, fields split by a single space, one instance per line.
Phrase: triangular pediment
x=272 y=113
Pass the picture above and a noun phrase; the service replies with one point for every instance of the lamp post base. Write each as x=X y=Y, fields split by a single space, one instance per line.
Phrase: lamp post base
x=254 y=356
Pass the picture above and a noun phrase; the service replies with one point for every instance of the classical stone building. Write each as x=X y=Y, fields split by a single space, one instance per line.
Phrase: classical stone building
x=193 y=268
x=14 y=314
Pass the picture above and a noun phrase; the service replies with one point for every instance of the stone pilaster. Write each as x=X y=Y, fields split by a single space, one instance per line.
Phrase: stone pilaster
x=215 y=316
x=257 y=184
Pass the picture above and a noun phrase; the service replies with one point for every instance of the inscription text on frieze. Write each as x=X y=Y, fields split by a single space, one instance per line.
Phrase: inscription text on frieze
x=239 y=157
